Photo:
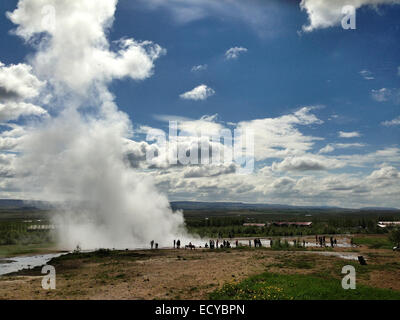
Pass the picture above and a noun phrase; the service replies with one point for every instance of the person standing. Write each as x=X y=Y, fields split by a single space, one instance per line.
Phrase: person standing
x=174 y=243
x=152 y=243
x=178 y=244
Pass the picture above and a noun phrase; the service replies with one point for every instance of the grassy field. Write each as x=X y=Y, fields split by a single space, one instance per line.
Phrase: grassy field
x=280 y=272
x=243 y=273
x=270 y=286
x=25 y=249
x=15 y=237
x=374 y=242
x=224 y=223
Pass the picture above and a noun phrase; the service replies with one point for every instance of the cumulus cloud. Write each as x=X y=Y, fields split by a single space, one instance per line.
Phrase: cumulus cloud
x=197 y=141
x=388 y=155
x=385 y=94
x=301 y=177
x=325 y=14
x=283 y=184
x=90 y=159
x=6 y=165
x=18 y=85
x=200 y=67
x=209 y=171
x=12 y=110
x=279 y=137
x=333 y=146
x=394 y=122
x=385 y=173
x=381 y=95
x=306 y=163
x=207 y=125
x=352 y=134
x=201 y=92
x=10 y=137
x=79 y=54
x=234 y=53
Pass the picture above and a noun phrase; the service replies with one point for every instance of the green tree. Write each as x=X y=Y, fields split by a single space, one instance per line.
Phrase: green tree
x=394 y=236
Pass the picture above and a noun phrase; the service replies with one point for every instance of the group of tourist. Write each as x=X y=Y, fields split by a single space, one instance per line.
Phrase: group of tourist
x=152 y=244
x=321 y=240
x=213 y=244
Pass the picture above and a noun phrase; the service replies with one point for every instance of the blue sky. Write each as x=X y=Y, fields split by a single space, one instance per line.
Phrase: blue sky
x=349 y=78
x=280 y=72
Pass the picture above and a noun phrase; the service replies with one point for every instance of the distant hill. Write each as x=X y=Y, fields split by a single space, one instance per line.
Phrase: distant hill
x=197 y=205
x=378 y=209
x=14 y=204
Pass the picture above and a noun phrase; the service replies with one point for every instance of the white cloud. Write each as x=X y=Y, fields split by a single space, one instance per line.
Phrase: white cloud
x=75 y=50
x=7 y=169
x=14 y=110
x=283 y=184
x=81 y=158
x=394 y=122
x=387 y=155
x=385 y=173
x=353 y=134
x=255 y=13
x=18 y=85
x=325 y=14
x=11 y=137
x=200 y=67
x=367 y=75
x=385 y=94
x=209 y=170
x=201 y=92
x=300 y=178
x=381 y=95
x=328 y=148
x=333 y=146
x=234 y=53
x=306 y=163
x=279 y=137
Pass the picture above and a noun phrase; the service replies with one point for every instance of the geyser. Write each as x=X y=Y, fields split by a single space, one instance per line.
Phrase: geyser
x=77 y=155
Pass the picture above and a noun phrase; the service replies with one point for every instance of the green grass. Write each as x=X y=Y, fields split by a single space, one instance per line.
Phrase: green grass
x=101 y=255
x=374 y=242
x=301 y=262
x=270 y=286
x=22 y=249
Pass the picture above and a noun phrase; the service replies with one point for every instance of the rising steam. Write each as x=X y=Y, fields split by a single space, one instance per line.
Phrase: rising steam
x=76 y=157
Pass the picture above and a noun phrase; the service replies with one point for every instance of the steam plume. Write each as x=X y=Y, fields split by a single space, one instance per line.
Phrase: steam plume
x=76 y=156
